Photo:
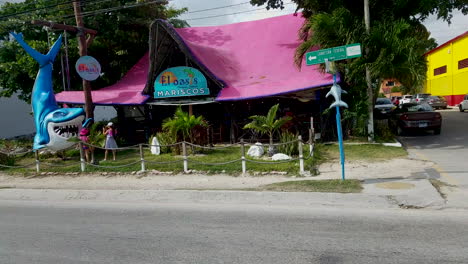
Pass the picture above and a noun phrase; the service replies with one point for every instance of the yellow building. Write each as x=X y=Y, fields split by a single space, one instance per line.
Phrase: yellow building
x=447 y=73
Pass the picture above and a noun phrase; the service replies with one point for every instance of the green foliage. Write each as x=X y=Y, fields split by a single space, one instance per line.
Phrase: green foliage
x=165 y=138
x=394 y=47
x=267 y=124
x=96 y=137
x=383 y=132
x=121 y=41
x=181 y=125
x=396 y=89
x=291 y=149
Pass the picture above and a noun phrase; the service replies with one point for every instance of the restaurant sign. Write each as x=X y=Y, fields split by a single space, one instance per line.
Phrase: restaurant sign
x=180 y=81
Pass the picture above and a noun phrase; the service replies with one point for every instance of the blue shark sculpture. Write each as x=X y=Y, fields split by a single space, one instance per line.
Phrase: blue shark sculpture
x=336 y=92
x=54 y=125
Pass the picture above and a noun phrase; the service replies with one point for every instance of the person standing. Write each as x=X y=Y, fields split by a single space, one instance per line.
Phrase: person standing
x=110 y=132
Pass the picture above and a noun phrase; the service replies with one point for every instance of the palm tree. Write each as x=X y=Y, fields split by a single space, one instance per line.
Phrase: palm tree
x=182 y=124
x=267 y=125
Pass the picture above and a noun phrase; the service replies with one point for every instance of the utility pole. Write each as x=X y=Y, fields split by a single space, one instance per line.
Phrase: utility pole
x=370 y=91
x=83 y=49
x=85 y=38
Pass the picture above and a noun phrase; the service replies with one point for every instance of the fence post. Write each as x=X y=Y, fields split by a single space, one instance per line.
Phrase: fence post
x=301 y=156
x=37 y=161
x=244 y=167
x=184 y=153
x=311 y=136
x=142 y=158
x=82 y=158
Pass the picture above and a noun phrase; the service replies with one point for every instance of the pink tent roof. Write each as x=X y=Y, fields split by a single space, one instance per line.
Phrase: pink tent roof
x=127 y=91
x=255 y=58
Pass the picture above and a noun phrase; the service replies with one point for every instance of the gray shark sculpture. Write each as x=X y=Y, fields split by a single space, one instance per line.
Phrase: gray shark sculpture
x=54 y=125
x=336 y=92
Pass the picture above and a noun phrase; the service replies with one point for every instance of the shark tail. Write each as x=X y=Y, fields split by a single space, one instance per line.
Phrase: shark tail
x=339 y=103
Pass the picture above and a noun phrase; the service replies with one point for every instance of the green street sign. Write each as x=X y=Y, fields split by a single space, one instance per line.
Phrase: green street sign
x=333 y=54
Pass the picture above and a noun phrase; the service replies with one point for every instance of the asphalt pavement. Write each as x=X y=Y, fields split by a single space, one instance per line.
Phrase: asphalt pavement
x=72 y=232
x=449 y=151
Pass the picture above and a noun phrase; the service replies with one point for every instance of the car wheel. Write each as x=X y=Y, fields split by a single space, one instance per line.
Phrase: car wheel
x=437 y=131
x=461 y=108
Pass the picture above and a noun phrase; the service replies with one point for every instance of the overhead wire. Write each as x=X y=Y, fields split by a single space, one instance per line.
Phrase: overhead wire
x=235 y=13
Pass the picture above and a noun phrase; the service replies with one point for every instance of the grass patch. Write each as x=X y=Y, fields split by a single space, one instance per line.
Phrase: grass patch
x=202 y=160
x=338 y=186
x=369 y=152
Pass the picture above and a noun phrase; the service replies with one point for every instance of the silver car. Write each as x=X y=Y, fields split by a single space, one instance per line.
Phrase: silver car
x=437 y=102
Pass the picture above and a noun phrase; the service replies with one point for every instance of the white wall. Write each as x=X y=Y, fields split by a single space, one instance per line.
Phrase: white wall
x=16 y=118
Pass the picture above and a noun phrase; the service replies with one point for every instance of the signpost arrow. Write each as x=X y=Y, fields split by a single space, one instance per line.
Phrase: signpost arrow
x=333 y=54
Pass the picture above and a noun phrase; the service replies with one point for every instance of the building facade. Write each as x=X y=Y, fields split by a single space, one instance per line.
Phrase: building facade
x=447 y=73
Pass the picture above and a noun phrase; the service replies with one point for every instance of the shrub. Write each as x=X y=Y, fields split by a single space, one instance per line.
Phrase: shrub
x=289 y=149
x=165 y=138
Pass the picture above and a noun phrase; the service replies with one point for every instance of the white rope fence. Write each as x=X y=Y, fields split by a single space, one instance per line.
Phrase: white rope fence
x=83 y=163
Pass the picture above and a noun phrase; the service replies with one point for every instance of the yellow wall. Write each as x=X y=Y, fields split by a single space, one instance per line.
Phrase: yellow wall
x=454 y=81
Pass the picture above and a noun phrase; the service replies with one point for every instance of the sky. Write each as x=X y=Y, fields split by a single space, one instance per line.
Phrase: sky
x=233 y=11
x=440 y=30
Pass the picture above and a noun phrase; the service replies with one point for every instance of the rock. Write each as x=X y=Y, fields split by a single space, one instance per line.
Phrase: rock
x=280 y=156
x=155 y=148
x=256 y=151
x=140 y=172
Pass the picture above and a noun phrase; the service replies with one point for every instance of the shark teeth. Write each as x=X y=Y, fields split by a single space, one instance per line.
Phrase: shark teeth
x=66 y=131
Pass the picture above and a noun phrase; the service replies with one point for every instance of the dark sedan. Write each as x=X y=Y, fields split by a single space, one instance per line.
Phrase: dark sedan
x=415 y=117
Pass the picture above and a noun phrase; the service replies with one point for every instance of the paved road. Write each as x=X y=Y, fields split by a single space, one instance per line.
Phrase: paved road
x=449 y=150
x=91 y=232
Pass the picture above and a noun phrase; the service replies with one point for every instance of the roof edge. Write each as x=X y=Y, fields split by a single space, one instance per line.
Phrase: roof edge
x=447 y=43
x=184 y=48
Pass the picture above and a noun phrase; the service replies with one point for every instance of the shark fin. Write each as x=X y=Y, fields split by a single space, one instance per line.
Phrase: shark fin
x=328 y=94
x=339 y=103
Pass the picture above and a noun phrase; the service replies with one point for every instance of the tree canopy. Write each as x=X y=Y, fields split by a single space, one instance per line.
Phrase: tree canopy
x=122 y=39
x=393 y=48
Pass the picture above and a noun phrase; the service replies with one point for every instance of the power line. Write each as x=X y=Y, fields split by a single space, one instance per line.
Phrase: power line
x=240 y=12
x=95 y=12
x=220 y=7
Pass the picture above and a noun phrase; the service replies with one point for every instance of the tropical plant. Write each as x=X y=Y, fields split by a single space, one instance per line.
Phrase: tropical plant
x=393 y=48
x=267 y=125
x=291 y=148
x=181 y=125
x=165 y=139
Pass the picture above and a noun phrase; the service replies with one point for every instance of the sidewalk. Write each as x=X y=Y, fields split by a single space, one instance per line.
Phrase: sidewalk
x=397 y=183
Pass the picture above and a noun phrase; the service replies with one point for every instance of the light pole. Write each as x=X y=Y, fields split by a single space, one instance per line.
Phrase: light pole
x=370 y=91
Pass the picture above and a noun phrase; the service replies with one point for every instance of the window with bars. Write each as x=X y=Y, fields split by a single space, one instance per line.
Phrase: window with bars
x=463 y=64
x=440 y=70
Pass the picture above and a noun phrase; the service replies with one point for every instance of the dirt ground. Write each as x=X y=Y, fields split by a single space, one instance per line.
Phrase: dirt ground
x=153 y=180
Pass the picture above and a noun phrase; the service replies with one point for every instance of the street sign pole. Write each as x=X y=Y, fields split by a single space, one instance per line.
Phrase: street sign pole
x=328 y=56
x=340 y=135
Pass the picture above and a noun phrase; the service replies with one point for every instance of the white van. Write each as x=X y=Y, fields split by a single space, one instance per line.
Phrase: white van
x=406 y=99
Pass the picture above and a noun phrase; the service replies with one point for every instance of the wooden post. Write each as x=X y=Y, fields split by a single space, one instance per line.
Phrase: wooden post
x=83 y=48
x=311 y=136
x=82 y=157
x=142 y=158
x=37 y=161
x=244 y=165
x=184 y=153
x=301 y=156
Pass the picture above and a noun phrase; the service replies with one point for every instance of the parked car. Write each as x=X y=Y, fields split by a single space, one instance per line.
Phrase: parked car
x=406 y=99
x=413 y=116
x=383 y=108
x=463 y=104
x=396 y=100
x=437 y=102
x=421 y=97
